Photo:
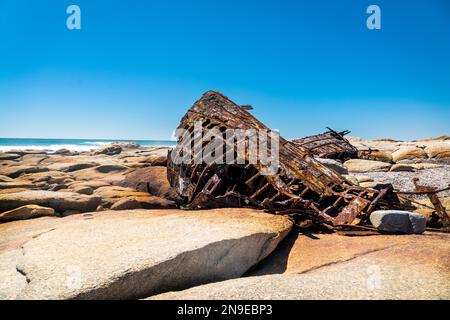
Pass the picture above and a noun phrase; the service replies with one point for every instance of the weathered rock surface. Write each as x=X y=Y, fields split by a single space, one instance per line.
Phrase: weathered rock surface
x=438 y=150
x=9 y=156
x=424 y=166
x=69 y=167
x=385 y=156
x=12 y=282
x=63 y=151
x=98 y=172
x=46 y=176
x=398 y=221
x=133 y=254
x=154 y=160
x=12 y=190
x=14 y=184
x=83 y=190
x=112 y=194
x=425 y=203
x=60 y=201
x=359 y=165
x=26 y=212
x=152 y=180
x=369 y=184
x=364 y=178
x=126 y=204
x=335 y=267
x=33 y=159
x=335 y=165
x=126 y=145
x=110 y=150
x=94 y=184
x=5 y=179
x=28 y=152
x=352 y=179
x=409 y=153
x=402 y=167
x=387 y=145
x=15 y=171
x=433 y=220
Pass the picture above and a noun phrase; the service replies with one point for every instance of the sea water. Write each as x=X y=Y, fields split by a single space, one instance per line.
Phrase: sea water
x=51 y=145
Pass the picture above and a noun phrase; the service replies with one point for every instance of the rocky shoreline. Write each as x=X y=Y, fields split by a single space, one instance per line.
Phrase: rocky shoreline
x=104 y=225
x=111 y=177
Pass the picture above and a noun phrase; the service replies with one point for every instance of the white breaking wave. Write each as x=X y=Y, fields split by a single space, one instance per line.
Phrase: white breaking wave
x=95 y=143
x=50 y=148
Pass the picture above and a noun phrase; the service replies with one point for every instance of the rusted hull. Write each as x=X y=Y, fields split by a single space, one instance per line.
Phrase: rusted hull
x=331 y=144
x=303 y=188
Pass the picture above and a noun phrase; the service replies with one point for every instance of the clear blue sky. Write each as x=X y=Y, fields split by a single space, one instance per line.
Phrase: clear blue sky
x=136 y=66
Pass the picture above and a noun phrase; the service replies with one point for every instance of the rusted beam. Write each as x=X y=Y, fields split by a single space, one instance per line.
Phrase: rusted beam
x=331 y=144
x=434 y=199
x=302 y=187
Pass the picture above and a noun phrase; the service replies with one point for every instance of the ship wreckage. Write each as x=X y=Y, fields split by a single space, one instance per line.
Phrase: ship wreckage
x=312 y=194
x=330 y=144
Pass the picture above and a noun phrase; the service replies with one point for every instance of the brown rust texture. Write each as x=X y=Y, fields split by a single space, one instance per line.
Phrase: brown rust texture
x=303 y=188
x=331 y=144
x=434 y=199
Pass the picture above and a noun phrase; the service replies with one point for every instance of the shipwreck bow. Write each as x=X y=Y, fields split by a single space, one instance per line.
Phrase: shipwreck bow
x=301 y=187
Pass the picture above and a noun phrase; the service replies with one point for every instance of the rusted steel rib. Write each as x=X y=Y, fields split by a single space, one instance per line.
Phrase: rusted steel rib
x=303 y=188
x=330 y=144
x=439 y=208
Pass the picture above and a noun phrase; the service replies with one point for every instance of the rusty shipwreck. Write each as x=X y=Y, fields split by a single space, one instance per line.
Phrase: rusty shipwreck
x=302 y=187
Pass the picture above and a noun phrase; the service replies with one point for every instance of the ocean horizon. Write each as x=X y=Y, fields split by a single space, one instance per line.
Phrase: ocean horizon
x=52 y=145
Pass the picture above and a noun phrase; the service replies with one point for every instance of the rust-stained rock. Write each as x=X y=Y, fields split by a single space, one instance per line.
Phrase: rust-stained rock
x=60 y=201
x=151 y=179
x=113 y=194
x=328 y=266
x=133 y=254
x=26 y=212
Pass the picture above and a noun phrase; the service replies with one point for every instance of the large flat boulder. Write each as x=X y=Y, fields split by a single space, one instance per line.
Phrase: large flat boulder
x=360 y=165
x=335 y=267
x=71 y=166
x=137 y=253
x=334 y=164
x=112 y=194
x=9 y=156
x=5 y=179
x=47 y=176
x=26 y=212
x=151 y=179
x=110 y=150
x=12 y=282
x=409 y=153
x=16 y=171
x=394 y=221
x=60 y=201
x=99 y=172
x=15 y=185
x=33 y=159
x=438 y=150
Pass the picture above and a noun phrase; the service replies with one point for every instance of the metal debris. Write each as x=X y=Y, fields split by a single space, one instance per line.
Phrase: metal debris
x=303 y=188
x=331 y=144
x=434 y=199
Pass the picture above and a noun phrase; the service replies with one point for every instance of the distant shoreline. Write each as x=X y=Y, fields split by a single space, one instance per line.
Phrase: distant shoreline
x=80 y=145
